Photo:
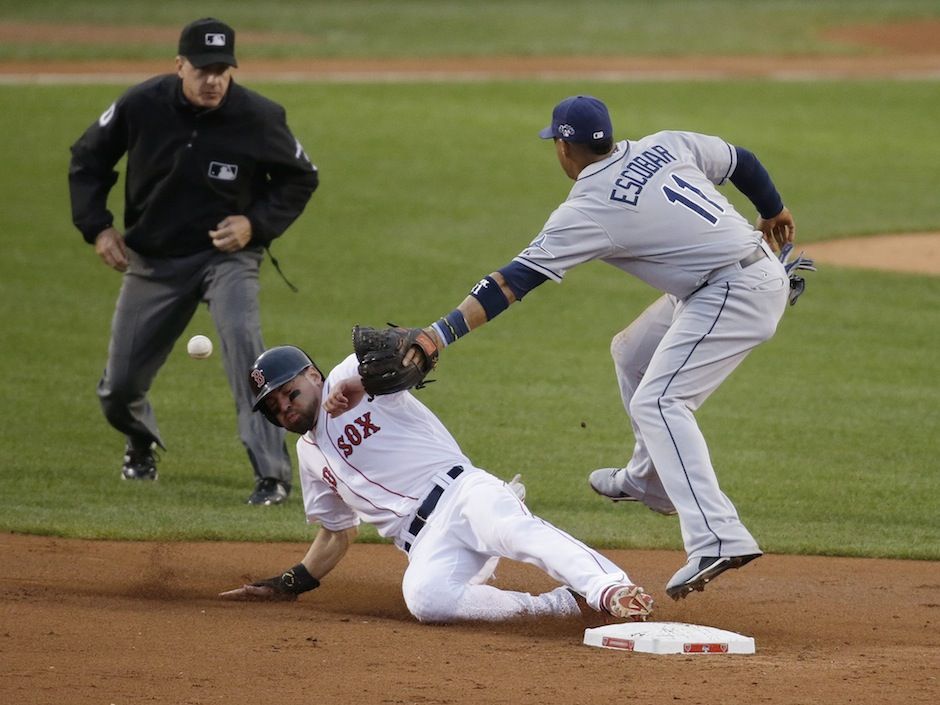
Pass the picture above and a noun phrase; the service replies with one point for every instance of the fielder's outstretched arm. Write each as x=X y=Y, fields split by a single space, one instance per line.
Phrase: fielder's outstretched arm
x=491 y=296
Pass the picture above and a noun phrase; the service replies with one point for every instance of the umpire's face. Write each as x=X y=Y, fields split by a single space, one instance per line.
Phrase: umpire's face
x=204 y=87
x=296 y=403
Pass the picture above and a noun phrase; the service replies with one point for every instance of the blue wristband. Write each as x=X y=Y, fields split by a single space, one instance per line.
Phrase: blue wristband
x=490 y=296
x=451 y=327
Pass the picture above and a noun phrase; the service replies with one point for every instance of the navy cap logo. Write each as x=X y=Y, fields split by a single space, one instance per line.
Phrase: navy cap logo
x=580 y=118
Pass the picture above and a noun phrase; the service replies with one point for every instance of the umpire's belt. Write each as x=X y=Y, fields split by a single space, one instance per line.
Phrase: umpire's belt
x=430 y=503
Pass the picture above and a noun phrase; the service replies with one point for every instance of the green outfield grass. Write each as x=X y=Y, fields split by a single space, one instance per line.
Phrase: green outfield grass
x=354 y=28
x=826 y=438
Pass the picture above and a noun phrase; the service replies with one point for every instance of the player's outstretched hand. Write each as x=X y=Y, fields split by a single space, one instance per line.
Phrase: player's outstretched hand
x=257 y=592
x=779 y=230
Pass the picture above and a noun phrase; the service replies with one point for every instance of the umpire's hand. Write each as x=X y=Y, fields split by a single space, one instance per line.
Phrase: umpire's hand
x=110 y=248
x=231 y=234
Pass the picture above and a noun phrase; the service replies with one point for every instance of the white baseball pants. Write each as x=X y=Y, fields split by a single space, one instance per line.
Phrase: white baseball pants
x=479 y=518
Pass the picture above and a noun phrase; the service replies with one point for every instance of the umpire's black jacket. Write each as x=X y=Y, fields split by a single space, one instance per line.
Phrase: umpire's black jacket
x=187 y=169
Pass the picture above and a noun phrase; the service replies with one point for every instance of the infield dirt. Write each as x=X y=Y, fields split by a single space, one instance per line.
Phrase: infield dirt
x=91 y=622
x=102 y=622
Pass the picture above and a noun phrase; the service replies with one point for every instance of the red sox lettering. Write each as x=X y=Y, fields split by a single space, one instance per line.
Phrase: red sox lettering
x=354 y=434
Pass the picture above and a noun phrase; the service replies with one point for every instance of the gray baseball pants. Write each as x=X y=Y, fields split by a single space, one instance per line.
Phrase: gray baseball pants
x=158 y=298
x=668 y=362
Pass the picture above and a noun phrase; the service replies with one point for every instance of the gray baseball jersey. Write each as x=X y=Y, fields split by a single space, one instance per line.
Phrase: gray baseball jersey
x=650 y=209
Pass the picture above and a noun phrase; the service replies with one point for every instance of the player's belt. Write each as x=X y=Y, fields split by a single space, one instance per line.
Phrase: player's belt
x=428 y=506
x=756 y=256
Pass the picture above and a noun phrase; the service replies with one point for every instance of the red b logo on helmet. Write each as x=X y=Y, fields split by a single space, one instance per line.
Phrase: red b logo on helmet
x=257 y=376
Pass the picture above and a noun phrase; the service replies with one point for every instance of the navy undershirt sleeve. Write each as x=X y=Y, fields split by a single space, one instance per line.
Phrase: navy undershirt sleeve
x=751 y=178
x=520 y=279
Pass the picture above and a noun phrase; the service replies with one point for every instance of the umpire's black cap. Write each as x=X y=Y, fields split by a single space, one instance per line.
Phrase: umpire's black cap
x=208 y=41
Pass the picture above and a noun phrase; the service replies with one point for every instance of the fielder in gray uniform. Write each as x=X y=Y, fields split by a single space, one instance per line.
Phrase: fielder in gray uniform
x=650 y=207
x=213 y=176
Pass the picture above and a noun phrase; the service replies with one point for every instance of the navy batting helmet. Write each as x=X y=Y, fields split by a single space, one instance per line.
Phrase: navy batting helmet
x=273 y=368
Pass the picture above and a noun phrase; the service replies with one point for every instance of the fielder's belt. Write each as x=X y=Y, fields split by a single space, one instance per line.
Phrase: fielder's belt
x=756 y=256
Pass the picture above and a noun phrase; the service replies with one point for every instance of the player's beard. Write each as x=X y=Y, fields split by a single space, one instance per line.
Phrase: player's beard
x=300 y=420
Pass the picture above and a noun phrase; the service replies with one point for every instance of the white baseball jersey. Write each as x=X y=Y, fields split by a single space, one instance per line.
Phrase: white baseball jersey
x=651 y=209
x=375 y=462
x=379 y=460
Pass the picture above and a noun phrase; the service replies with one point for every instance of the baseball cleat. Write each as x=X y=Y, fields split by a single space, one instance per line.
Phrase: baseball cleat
x=698 y=572
x=607 y=483
x=139 y=464
x=627 y=602
x=268 y=492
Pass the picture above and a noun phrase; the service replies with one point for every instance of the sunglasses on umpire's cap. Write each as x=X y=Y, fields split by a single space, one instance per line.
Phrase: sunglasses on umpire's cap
x=208 y=41
x=580 y=118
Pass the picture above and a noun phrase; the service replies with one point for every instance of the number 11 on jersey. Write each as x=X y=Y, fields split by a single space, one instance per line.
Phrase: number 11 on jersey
x=702 y=206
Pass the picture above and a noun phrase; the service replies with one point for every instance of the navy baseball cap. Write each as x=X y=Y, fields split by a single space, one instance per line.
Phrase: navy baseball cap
x=208 y=41
x=580 y=118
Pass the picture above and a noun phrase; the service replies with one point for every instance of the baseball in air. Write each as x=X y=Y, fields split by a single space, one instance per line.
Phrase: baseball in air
x=199 y=347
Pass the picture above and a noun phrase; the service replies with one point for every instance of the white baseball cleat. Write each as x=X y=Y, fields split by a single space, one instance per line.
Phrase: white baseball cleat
x=608 y=482
x=627 y=602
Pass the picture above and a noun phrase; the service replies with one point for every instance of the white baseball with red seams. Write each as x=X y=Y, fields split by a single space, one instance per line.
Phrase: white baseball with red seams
x=379 y=460
x=199 y=347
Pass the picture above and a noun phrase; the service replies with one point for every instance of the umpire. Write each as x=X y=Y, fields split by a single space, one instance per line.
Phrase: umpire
x=213 y=176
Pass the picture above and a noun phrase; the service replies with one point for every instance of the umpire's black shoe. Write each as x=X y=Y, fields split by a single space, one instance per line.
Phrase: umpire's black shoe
x=698 y=571
x=269 y=491
x=139 y=464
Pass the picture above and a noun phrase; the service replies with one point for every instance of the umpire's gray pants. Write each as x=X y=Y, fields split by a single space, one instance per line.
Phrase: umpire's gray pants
x=157 y=301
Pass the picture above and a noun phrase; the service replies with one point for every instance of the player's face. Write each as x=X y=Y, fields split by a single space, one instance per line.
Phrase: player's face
x=205 y=87
x=296 y=404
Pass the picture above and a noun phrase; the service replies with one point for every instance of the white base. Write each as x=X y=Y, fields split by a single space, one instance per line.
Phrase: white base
x=668 y=638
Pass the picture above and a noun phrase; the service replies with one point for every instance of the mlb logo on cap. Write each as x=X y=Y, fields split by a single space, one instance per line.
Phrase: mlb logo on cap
x=580 y=118
x=208 y=41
